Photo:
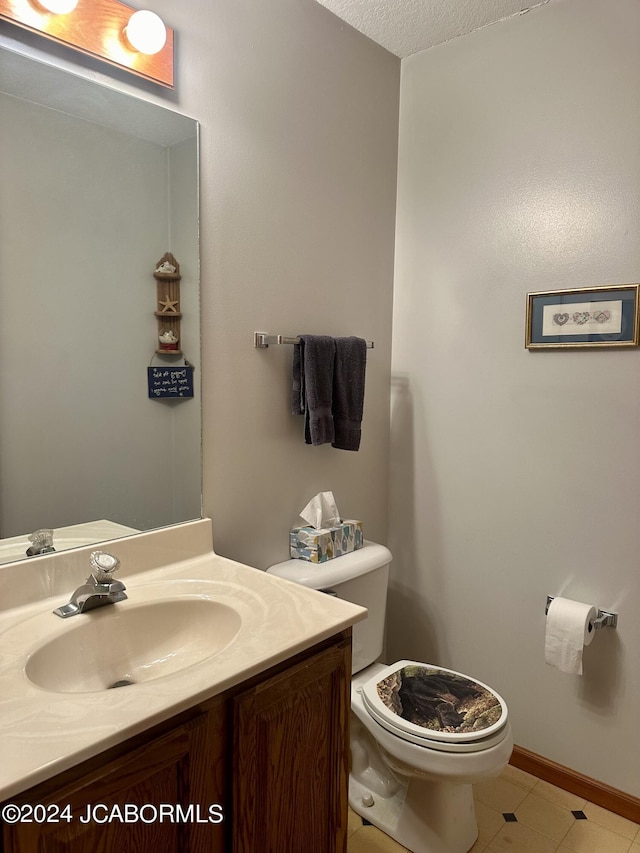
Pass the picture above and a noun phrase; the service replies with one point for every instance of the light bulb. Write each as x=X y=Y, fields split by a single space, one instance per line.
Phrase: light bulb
x=146 y=32
x=58 y=7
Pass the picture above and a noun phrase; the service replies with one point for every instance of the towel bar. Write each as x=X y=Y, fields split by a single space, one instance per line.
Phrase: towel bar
x=261 y=340
x=604 y=618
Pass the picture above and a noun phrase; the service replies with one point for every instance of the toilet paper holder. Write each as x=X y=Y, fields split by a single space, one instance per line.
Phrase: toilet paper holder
x=604 y=619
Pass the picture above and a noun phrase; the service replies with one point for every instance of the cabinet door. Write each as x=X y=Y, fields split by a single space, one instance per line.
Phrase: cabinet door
x=291 y=747
x=179 y=768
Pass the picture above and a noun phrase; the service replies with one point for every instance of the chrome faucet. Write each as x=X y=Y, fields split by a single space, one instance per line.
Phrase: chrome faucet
x=100 y=588
x=41 y=542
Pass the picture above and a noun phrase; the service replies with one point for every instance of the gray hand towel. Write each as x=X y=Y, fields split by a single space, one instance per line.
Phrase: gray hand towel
x=348 y=392
x=313 y=367
x=297 y=389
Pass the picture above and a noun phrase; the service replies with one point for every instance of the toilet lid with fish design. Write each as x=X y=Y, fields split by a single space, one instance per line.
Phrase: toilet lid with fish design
x=421 y=702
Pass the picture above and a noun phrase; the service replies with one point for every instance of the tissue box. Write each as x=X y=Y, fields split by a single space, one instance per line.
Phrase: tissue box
x=320 y=545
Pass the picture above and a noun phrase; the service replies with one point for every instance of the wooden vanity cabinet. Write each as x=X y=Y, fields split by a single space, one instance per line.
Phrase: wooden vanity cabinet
x=171 y=768
x=262 y=768
x=291 y=758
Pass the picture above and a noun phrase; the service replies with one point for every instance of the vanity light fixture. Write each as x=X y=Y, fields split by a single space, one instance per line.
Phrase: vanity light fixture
x=132 y=39
x=146 y=32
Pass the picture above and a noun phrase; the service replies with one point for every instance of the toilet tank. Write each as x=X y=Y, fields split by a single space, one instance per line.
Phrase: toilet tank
x=360 y=577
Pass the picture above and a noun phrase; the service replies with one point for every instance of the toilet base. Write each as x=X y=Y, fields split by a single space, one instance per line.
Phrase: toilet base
x=423 y=816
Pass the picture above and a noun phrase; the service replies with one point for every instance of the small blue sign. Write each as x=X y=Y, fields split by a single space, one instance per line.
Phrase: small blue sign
x=173 y=382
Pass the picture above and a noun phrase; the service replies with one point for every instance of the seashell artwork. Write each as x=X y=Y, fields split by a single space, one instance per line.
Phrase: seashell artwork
x=167 y=275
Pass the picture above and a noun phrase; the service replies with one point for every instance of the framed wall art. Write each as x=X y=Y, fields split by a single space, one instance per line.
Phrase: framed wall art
x=583 y=317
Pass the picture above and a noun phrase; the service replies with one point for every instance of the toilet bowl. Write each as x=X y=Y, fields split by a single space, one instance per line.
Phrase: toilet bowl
x=418 y=789
x=421 y=735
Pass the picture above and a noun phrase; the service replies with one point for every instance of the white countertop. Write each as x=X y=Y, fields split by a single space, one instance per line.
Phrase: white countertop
x=43 y=732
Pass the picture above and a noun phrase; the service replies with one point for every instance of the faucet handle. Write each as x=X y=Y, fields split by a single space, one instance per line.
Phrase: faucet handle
x=41 y=542
x=103 y=565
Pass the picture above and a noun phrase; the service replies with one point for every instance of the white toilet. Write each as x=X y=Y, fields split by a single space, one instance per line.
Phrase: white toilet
x=420 y=734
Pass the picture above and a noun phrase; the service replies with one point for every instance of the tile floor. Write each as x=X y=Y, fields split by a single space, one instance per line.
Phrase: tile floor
x=519 y=813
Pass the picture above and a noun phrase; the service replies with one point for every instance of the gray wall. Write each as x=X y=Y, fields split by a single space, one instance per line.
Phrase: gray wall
x=516 y=474
x=299 y=146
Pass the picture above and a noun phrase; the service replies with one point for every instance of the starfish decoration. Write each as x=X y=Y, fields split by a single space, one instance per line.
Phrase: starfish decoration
x=169 y=305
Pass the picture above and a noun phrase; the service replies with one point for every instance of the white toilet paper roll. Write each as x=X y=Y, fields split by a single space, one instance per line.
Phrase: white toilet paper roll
x=569 y=630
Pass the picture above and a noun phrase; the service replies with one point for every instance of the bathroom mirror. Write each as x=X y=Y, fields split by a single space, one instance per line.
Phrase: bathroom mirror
x=96 y=186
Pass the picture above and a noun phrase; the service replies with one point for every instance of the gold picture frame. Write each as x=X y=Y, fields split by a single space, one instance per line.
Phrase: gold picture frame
x=584 y=317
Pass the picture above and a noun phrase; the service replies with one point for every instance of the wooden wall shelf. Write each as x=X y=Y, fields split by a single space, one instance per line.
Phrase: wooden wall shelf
x=168 y=306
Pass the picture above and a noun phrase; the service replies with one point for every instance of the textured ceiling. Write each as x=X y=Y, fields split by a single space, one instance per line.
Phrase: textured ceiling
x=404 y=27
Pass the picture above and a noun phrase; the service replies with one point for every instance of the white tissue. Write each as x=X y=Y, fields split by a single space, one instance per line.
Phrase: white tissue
x=321 y=511
x=569 y=630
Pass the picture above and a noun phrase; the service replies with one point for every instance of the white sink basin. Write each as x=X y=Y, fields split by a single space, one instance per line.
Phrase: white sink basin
x=194 y=625
x=115 y=646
